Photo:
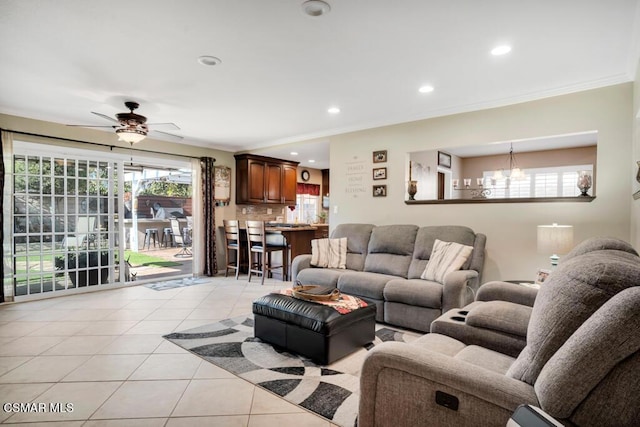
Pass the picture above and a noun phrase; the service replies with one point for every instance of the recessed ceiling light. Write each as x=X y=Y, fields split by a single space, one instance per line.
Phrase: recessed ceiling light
x=316 y=7
x=312 y=161
x=500 y=50
x=209 y=60
x=425 y=89
x=294 y=153
x=333 y=110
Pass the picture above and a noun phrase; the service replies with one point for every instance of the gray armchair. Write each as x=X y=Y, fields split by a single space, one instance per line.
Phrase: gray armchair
x=580 y=363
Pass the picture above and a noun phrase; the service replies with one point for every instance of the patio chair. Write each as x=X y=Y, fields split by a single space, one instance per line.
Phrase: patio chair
x=84 y=227
x=180 y=239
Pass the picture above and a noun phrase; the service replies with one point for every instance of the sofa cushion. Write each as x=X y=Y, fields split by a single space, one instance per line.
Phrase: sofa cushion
x=597 y=244
x=329 y=253
x=500 y=316
x=445 y=258
x=440 y=344
x=390 y=249
x=364 y=284
x=485 y=358
x=422 y=293
x=593 y=362
x=426 y=237
x=358 y=236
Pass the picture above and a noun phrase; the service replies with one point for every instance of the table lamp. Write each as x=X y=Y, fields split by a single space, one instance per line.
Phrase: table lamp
x=555 y=239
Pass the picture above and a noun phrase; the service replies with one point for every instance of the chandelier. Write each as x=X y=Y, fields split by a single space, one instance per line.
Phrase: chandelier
x=514 y=172
x=484 y=189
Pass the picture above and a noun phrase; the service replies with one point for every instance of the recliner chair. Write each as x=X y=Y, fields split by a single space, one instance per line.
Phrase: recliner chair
x=499 y=317
x=580 y=363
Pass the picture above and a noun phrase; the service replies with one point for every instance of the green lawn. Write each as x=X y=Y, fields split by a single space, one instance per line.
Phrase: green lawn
x=136 y=259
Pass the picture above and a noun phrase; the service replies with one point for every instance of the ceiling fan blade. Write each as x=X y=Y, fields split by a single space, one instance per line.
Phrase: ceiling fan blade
x=175 y=137
x=91 y=126
x=168 y=125
x=104 y=116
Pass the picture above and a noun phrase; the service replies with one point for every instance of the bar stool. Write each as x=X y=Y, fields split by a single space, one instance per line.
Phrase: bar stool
x=232 y=243
x=150 y=233
x=258 y=247
x=167 y=237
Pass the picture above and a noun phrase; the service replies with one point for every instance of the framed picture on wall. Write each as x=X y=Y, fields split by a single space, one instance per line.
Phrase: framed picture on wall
x=379 y=191
x=379 y=173
x=444 y=160
x=380 y=156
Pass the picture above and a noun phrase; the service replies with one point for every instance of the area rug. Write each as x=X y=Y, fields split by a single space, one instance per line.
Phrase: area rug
x=177 y=283
x=330 y=391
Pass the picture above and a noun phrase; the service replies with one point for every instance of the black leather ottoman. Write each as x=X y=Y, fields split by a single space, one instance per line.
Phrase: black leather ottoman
x=311 y=329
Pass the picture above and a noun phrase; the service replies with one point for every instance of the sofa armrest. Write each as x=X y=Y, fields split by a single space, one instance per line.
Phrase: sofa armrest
x=390 y=369
x=459 y=289
x=510 y=292
x=298 y=264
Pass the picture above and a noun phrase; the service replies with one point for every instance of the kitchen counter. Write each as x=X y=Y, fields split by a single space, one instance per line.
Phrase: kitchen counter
x=288 y=228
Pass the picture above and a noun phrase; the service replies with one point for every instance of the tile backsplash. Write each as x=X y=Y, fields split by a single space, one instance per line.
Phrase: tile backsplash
x=261 y=213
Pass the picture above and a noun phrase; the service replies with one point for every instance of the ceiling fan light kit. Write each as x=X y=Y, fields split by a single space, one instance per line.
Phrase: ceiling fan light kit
x=132 y=127
x=131 y=135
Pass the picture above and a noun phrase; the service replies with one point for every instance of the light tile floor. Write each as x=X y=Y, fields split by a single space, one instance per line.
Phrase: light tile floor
x=104 y=353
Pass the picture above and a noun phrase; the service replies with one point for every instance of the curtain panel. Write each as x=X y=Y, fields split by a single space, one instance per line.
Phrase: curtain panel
x=209 y=215
x=4 y=137
x=310 y=189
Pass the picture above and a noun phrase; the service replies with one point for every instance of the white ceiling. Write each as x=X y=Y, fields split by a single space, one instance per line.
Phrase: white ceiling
x=281 y=69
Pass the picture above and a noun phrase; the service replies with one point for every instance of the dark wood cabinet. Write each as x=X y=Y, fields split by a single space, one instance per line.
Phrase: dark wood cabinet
x=262 y=179
x=289 y=183
x=325 y=182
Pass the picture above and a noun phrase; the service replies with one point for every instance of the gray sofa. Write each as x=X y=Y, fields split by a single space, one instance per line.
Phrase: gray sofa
x=580 y=363
x=384 y=265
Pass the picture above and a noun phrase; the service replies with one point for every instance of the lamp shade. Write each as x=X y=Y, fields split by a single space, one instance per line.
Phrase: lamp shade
x=131 y=135
x=555 y=239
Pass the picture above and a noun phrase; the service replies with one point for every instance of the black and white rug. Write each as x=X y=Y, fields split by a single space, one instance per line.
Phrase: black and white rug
x=330 y=391
x=176 y=283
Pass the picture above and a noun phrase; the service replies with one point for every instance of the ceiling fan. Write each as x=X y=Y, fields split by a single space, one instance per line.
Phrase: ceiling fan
x=132 y=127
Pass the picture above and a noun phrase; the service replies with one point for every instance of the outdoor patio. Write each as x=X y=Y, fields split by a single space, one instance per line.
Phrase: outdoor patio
x=168 y=254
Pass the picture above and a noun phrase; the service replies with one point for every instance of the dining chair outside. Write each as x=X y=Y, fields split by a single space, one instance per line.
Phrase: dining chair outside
x=180 y=239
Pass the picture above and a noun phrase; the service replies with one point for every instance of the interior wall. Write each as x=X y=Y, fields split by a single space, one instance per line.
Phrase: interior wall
x=635 y=185
x=223 y=158
x=473 y=167
x=510 y=227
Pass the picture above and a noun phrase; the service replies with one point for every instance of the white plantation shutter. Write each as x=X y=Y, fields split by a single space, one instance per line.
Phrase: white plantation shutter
x=560 y=181
x=546 y=184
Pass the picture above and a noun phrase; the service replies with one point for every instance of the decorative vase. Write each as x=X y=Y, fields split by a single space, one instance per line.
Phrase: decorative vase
x=412 y=189
x=584 y=182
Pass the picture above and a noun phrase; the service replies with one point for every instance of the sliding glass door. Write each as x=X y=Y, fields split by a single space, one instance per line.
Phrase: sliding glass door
x=64 y=235
x=73 y=217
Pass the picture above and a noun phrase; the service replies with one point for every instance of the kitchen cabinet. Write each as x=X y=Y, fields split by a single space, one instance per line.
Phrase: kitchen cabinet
x=267 y=180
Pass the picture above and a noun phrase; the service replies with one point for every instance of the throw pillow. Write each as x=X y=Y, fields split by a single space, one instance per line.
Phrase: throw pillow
x=445 y=258
x=329 y=253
